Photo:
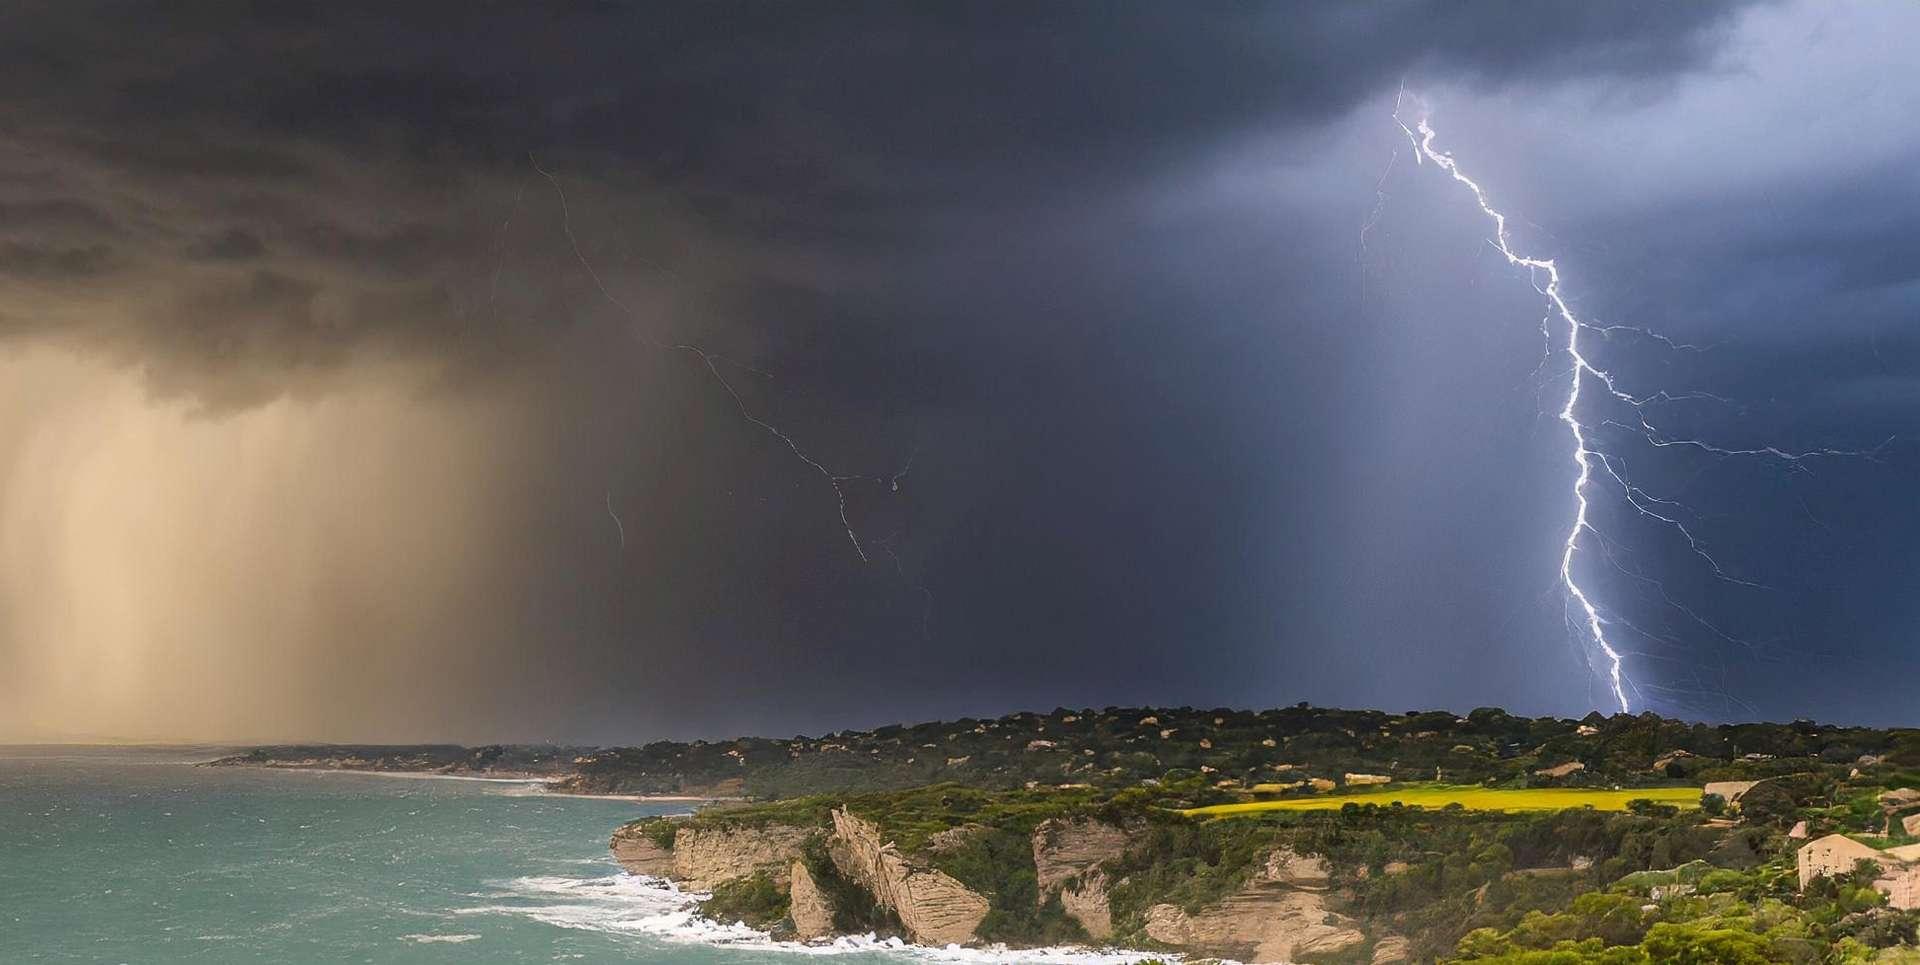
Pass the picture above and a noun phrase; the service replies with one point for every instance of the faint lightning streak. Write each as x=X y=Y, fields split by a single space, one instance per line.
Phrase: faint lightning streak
x=1583 y=455
x=708 y=359
x=617 y=525
x=1379 y=200
x=1639 y=498
x=834 y=479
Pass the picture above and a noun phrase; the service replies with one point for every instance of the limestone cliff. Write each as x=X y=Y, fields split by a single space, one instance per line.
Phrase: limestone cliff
x=703 y=857
x=1280 y=915
x=933 y=907
x=1065 y=849
x=1067 y=854
x=1087 y=902
x=808 y=907
x=639 y=854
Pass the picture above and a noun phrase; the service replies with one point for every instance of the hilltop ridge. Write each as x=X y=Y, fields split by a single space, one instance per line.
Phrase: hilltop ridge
x=1118 y=746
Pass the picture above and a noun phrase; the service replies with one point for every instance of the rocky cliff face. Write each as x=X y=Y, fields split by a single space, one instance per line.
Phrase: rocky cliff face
x=1065 y=849
x=933 y=907
x=808 y=907
x=1087 y=902
x=1066 y=857
x=1280 y=915
x=704 y=857
x=1264 y=923
x=638 y=853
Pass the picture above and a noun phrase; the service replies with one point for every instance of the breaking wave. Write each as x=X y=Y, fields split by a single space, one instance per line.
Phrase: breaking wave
x=642 y=906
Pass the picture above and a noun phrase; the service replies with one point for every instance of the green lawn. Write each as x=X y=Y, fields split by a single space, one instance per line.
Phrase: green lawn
x=1470 y=796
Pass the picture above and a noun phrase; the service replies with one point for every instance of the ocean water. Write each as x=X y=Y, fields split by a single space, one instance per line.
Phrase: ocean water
x=136 y=856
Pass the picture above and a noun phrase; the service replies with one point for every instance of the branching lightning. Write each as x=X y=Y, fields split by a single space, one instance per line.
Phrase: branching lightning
x=1584 y=374
x=710 y=361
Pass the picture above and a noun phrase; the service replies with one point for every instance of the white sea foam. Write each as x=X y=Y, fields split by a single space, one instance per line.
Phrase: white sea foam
x=435 y=939
x=652 y=907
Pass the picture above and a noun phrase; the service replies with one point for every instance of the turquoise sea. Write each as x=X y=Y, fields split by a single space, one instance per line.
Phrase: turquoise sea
x=136 y=856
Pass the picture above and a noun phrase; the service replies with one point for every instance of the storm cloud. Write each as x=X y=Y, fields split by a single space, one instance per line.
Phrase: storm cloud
x=1070 y=297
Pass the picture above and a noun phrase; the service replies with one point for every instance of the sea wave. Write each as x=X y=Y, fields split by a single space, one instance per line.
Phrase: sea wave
x=639 y=905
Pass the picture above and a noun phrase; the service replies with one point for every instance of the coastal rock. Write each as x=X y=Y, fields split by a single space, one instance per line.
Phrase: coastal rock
x=1086 y=902
x=812 y=914
x=1263 y=923
x=1066 y=849
x=639 y=854
x=933 y=907
x=703 y=857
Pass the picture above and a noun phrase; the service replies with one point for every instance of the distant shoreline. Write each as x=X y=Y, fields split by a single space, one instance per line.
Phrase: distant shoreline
x=538 y=784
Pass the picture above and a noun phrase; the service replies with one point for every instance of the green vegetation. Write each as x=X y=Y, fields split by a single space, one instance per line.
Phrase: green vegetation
x=1726 y=916
x=1235 y=750
x=1516 y=867
x=1473 y=798
x=755 y=900
x=1488 y=846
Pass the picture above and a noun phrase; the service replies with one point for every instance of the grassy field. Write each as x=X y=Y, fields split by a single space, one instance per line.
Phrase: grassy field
x=1473 y=797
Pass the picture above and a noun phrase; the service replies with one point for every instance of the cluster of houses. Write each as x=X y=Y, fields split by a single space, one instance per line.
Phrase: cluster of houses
x=1837 y=854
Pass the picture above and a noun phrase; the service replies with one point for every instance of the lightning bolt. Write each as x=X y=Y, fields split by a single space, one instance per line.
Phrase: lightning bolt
x=1584 y=456
x=710 y=361
x=1585 y=375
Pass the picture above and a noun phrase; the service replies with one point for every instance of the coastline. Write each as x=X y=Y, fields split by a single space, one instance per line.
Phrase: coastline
x=628 y=904
x=536 y=785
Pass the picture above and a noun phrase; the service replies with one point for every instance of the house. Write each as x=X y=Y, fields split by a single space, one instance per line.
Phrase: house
x=1837 y=854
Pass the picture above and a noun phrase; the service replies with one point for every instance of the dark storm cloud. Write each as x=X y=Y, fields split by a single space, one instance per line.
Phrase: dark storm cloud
x=53 y=214
x=850 y=127
x=1087 y=268
x=233 y=244
x=46 y=262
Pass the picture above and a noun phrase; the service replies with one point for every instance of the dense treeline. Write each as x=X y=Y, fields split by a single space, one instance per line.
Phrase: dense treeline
x=1117 y=747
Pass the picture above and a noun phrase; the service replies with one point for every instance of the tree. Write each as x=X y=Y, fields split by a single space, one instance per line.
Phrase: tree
x=1767 y=803
x=1696 y=943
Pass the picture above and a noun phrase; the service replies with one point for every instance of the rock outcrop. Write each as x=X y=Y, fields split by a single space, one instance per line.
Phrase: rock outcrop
x=638 y=853
x=1287 y=867
x=1392 y=950
x=933 y=907
x=703 y=857
x=1262 y=923
x=1087 y=902
x=1281 y=914
x=1067 y=855
x=1065 y=849
x=812 y=914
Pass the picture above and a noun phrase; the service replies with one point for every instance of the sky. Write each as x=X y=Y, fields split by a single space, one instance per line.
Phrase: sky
x=602 y=373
